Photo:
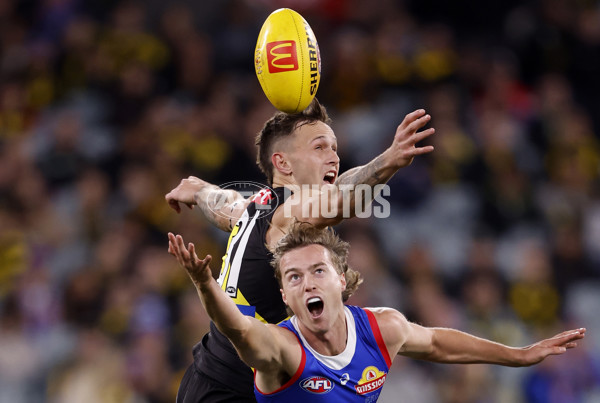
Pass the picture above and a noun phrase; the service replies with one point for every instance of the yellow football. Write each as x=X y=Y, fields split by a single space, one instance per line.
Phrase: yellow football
x=287 y=61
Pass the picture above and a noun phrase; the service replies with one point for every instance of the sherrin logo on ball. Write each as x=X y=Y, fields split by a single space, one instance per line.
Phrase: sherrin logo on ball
x=287 y=61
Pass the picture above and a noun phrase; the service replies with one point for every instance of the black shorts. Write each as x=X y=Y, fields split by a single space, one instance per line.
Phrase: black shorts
x=197 y=387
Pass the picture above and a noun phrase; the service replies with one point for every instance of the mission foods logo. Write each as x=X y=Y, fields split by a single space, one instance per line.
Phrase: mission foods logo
x=372 y=379
x=317 y=384
x=282 y=56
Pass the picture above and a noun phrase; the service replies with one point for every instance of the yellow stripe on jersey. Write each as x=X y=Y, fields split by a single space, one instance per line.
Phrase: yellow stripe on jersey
x=241 y=300
x=228 y=268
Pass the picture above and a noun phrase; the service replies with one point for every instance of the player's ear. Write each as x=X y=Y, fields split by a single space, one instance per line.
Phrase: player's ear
x=343 y=281
x=281 y=163
x=283 y=296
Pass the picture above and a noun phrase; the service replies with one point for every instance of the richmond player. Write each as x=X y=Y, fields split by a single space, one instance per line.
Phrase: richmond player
x=293 y=150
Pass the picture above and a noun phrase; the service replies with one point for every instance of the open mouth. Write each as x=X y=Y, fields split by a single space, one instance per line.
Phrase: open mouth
x=329 y=177
x=315 y=306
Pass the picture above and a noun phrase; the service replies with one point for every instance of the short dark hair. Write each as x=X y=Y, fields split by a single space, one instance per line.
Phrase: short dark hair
x=304 y=234
x=281 y=125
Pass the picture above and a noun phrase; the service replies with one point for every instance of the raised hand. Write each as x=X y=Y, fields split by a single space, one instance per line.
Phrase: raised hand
x=184 y=193
x=404 y=147
x=198 y=269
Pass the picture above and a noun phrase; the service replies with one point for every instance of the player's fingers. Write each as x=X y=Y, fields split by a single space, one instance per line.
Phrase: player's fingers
x=418 y=123
x=562 y=334
x=206 y=260
x=411 y=117
x=566 y=337
x=190 y=205
x=177 y=250
x=572 y=334
x=421 y=150
x=182 y=249
x=174 y=204
x=172 y=246
x=422 y=135
x=173 y=239
x=192 y=251
x=581 y=330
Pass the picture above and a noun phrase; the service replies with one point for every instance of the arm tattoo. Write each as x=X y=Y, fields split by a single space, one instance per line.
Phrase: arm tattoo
x=211 y=201
x=371 y=174
x=213 y=216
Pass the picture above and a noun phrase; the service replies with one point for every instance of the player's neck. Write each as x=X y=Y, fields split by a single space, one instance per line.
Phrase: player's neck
x=333 y=341
x=284 y=181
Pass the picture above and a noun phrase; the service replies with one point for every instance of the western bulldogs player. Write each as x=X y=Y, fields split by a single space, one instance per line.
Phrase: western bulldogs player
x=293 y=150
x=329 y=352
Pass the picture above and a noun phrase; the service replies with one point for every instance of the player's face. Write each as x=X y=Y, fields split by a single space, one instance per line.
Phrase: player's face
x=312 y=287
x=313 y=156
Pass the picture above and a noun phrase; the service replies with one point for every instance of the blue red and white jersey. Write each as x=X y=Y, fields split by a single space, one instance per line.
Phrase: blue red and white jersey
x=355 y=375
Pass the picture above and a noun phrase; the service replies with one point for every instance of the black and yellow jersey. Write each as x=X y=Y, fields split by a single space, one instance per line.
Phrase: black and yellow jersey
x=248 y=278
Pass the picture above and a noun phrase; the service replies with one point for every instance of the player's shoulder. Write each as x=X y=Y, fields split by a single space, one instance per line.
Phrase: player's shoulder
x=393 y=326
x=388 y=318
x=284 y=336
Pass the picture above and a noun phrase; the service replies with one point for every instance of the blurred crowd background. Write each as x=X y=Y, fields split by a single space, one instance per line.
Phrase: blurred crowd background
x=105 y=105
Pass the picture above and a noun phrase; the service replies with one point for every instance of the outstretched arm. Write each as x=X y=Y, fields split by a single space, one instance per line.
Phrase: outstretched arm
x=261 y=346
x=332 y=203
x=221 y=207
x=453 y=346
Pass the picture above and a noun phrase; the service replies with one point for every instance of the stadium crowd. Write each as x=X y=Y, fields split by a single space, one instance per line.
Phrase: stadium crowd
x=106 y=105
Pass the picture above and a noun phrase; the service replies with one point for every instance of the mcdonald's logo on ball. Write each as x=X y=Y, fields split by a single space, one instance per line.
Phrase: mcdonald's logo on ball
x=287 y=61
x=282 y=56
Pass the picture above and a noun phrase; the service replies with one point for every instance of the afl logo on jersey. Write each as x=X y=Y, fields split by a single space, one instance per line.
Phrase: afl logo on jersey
x=316 y=384
x=263 y=197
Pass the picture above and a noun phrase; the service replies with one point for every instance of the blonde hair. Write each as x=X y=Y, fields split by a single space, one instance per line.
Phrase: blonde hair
x=304 y=234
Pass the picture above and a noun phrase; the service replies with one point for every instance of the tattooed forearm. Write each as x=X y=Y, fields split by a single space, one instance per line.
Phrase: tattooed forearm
x=373 y=173
x=217 y=206
x=215 y=217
